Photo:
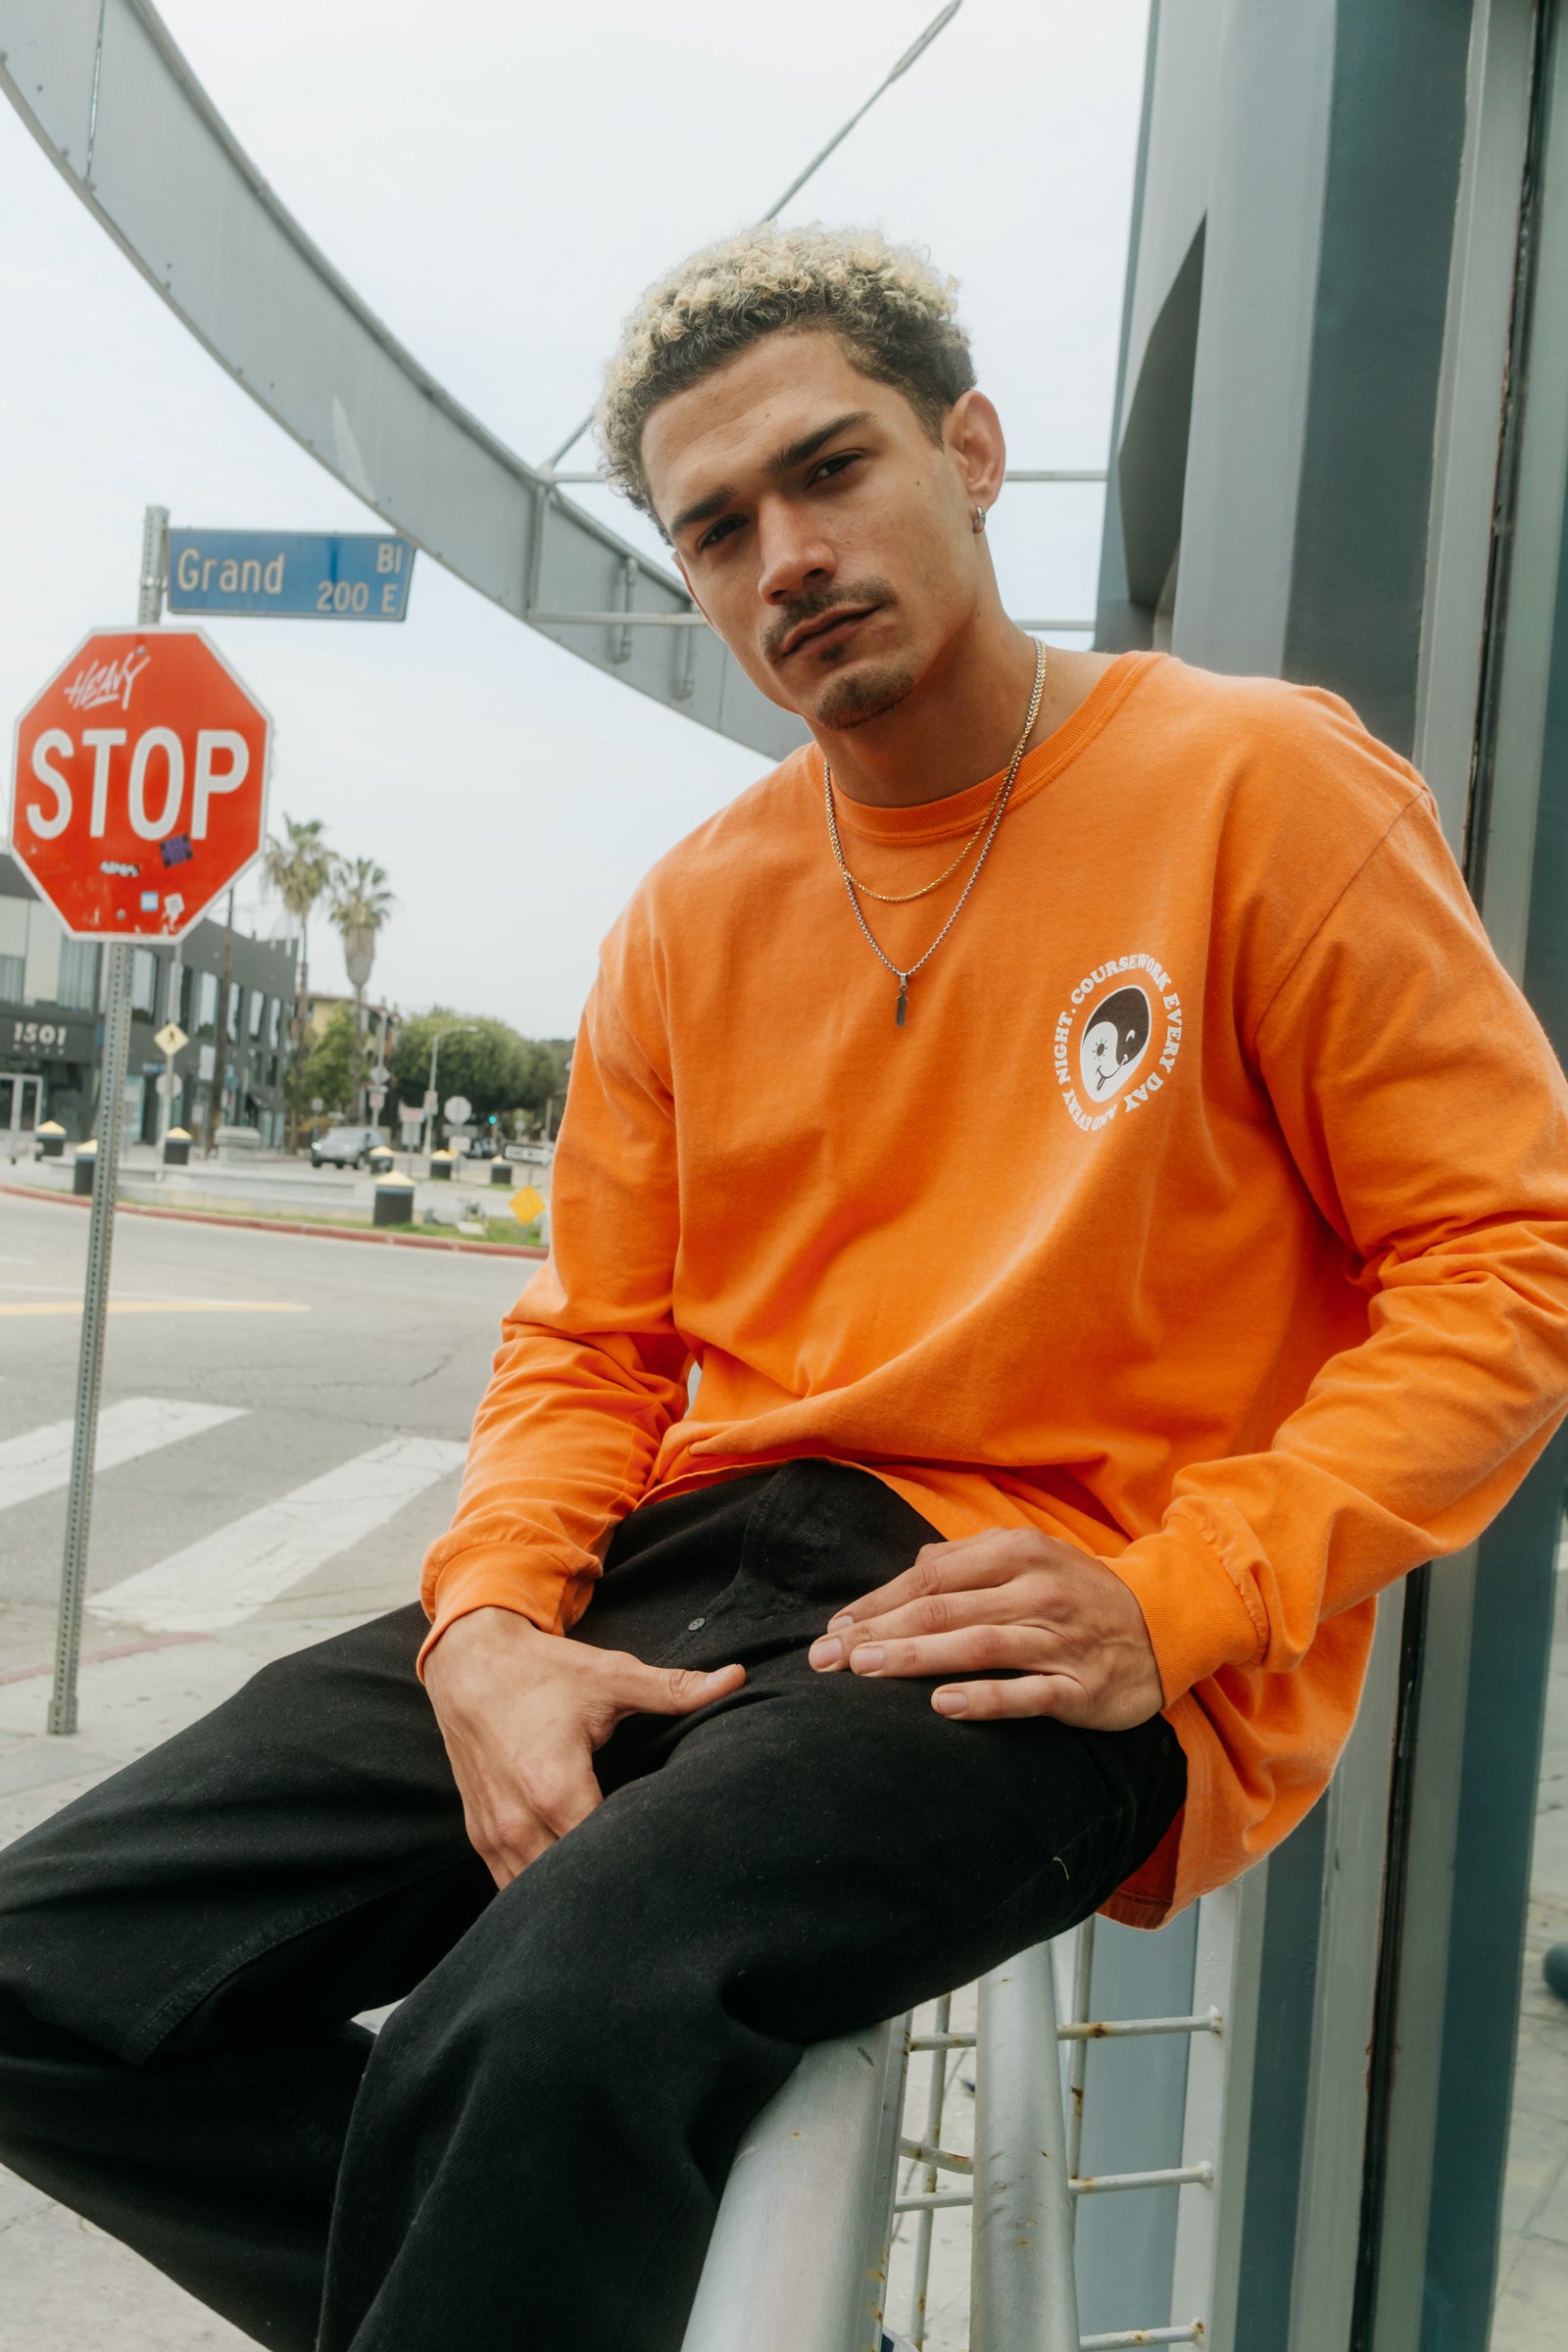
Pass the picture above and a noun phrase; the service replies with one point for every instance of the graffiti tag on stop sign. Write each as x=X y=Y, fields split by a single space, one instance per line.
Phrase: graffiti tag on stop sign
x=140 y=784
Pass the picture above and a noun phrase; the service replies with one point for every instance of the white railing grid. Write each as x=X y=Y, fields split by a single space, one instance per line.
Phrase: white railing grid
x=937 y=2177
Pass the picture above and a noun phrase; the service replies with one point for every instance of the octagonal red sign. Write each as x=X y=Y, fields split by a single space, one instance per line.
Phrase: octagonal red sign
x=139 y=791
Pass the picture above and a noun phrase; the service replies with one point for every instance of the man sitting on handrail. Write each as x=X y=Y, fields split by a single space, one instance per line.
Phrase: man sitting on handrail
x=1115 y=1206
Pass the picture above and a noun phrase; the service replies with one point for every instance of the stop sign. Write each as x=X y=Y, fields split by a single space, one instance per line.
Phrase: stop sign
x=140 y=785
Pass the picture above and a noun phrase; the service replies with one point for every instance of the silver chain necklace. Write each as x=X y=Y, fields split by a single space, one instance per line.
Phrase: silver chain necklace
x=906 y=974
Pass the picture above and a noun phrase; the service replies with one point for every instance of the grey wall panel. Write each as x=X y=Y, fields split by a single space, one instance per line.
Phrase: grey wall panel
x=136 y=136
x=1152 y=461
x=1254 y=338
x=1119 y=622
x=1181 y=88
x=1396 y=138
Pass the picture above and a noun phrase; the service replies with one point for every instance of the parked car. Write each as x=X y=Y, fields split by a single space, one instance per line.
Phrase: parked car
x=345 y=1147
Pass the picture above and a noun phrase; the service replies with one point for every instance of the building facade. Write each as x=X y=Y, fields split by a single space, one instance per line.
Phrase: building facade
x=233 y=997
x=1339 y=456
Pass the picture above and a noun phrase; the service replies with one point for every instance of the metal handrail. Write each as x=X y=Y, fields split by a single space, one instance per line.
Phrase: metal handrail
x=800 y=2250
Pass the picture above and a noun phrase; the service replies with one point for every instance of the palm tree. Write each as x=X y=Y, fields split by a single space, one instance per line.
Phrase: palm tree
x=299 y=867
x=361 y=903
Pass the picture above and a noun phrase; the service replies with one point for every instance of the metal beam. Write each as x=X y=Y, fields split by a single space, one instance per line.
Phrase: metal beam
x=109 y=98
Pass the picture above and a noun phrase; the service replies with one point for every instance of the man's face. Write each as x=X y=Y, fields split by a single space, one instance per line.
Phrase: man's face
x=826 y=536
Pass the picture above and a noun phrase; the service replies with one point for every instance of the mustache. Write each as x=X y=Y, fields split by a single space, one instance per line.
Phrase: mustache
x=817 y=603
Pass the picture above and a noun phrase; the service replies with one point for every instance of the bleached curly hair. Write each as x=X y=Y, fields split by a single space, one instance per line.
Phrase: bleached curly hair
x=894 y=314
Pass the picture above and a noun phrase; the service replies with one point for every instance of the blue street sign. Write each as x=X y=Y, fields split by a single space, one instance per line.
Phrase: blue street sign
x=295 y=575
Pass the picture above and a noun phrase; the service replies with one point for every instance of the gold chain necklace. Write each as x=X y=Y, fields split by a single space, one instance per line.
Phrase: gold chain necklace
x=997 y=811
x=906 y=898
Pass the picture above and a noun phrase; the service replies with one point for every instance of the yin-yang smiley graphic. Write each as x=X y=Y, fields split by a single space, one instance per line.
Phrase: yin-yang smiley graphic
x=1114 y=1040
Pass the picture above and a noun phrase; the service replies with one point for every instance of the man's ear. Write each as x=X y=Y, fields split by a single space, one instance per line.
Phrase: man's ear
x=972 y=431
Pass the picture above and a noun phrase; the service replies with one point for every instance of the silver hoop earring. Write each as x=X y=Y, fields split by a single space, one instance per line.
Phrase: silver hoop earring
x=979 y=522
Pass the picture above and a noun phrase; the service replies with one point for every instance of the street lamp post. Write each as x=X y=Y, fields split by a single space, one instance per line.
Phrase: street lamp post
x=456 y=1029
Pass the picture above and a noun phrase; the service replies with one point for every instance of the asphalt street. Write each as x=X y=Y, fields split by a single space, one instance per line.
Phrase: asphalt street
x=245 y=1367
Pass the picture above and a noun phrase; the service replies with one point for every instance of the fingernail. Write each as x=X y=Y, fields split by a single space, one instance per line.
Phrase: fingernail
x=950 y=1702
x=826 y=1653
x=868 y=1661
x=840 y=1625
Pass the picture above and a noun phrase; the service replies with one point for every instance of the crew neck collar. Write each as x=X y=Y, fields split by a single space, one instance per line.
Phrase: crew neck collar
x=960 y=811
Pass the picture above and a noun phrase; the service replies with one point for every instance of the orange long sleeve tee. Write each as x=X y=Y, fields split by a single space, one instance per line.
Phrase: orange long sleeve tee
x=1210 y=1211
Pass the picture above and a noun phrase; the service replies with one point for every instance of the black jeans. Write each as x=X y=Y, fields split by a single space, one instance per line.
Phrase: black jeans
x=531 y=2152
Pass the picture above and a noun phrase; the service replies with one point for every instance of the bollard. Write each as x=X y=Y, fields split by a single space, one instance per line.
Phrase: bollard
x=379 y=1160
x=441 y=1166
x=82 y=1175
x=394 y=1201
x=176 y=1147
x=500 y=1172
x=51 y=1139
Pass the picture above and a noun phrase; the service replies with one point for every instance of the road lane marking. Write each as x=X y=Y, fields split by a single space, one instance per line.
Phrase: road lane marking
x=40 y=1460
x=158 y=1306
x=238 y=1569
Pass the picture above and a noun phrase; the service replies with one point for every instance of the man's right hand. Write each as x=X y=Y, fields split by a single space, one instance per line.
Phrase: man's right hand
x=522 y=1713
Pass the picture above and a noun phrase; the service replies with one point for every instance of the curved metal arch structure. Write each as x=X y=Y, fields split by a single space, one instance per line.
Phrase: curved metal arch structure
x=109 y=96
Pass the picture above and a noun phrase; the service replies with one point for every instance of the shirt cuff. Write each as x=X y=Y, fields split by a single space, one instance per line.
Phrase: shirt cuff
x=551 y=1594
x=1200 y=1617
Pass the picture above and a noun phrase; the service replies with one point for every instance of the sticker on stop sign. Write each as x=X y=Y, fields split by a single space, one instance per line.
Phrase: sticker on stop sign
x=140 y=786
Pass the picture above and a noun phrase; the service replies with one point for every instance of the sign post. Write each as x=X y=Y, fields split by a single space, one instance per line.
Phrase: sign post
x=139 y=794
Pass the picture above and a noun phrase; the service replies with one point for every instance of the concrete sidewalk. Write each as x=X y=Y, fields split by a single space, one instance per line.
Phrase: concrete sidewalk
x=285 y=1185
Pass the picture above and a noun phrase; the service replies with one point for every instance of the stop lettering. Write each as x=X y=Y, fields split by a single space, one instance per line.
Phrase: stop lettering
x=140 y=785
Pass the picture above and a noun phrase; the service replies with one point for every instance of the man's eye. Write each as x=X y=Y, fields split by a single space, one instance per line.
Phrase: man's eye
x=835 y=465
x=719 y=530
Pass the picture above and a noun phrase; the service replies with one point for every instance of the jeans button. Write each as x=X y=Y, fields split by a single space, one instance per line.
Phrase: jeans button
x=695 y=1625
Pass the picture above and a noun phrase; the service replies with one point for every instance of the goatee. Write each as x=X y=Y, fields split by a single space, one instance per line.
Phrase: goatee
x=864 y=695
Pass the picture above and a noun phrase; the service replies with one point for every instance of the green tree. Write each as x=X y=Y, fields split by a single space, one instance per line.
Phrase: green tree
x=497 y=1069
x=299 y=867
x=333 y=1065
x=358 y=906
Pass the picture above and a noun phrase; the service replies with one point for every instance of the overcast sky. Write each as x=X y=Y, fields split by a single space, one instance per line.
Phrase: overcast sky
x=498 y=180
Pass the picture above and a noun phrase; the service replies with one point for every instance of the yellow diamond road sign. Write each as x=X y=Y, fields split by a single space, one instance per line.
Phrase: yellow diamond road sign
x=527 y=1205
x=170 y=1037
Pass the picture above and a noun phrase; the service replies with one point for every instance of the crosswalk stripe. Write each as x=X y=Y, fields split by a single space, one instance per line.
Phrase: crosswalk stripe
x=238 y=1569
x=40 y=1460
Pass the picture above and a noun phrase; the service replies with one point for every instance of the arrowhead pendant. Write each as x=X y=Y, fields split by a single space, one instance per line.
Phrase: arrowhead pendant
x=904 y=1004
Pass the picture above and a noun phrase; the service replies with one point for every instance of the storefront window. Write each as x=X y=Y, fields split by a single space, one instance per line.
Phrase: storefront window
x=206 y=1004
x=258 y=1010
x=143 y=981
x=13 y=946
x=273 y=1022
x=236 y=999
x=78 y=974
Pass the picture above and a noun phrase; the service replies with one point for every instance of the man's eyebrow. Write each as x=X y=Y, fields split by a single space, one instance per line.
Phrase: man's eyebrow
x=705 y=510
x=783 y=461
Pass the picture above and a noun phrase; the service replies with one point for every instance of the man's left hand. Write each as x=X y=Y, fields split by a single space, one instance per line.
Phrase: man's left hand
x=1070 y=1630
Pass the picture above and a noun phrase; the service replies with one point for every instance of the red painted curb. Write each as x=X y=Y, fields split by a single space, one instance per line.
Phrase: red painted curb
x=320 y=1233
